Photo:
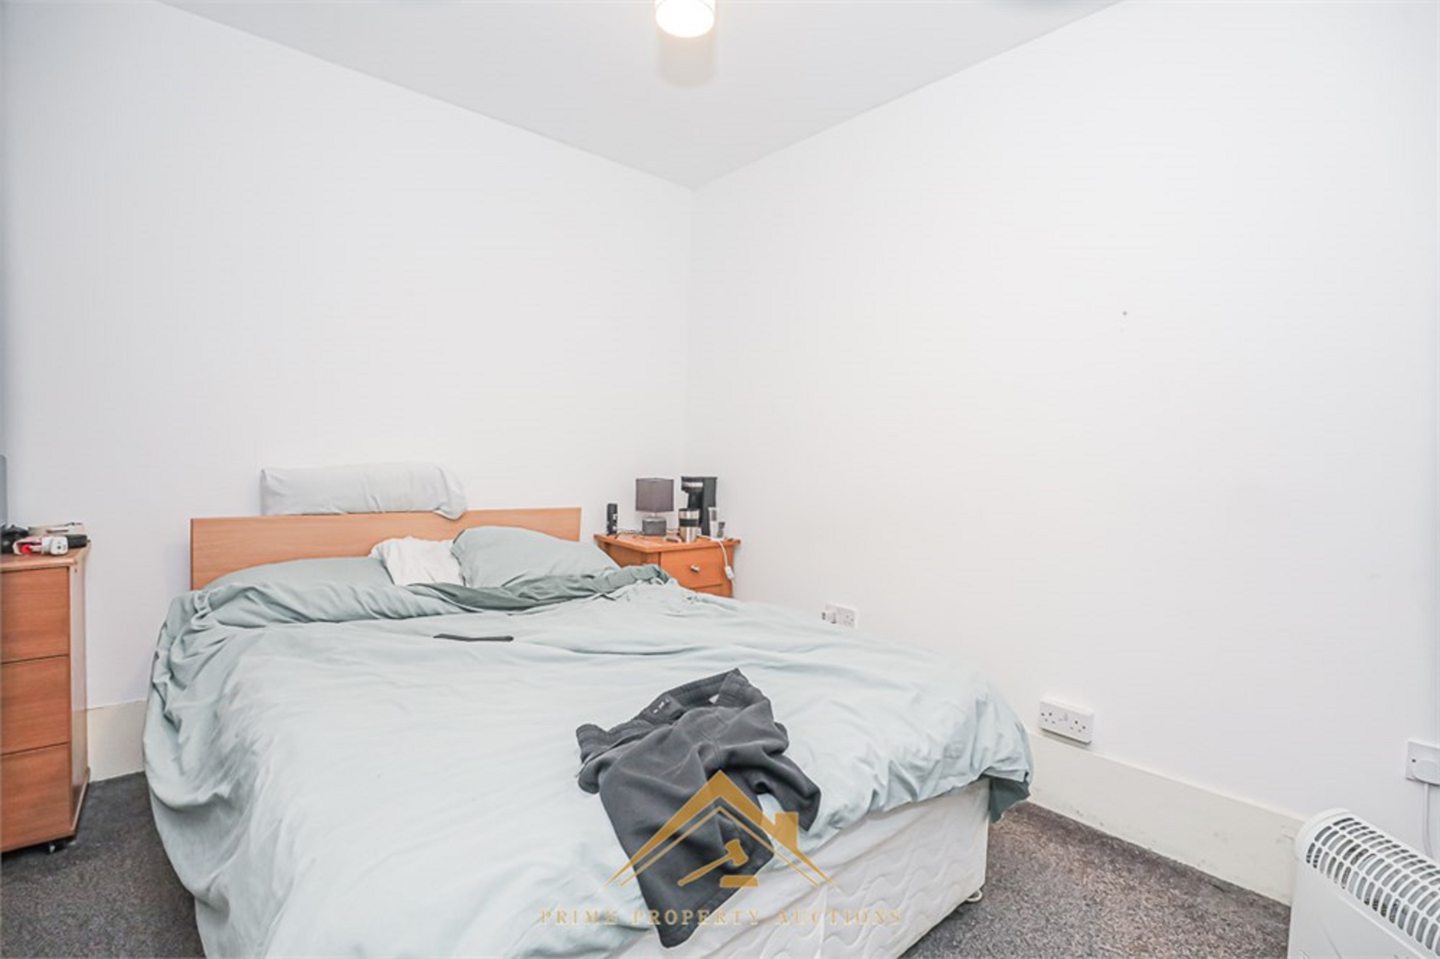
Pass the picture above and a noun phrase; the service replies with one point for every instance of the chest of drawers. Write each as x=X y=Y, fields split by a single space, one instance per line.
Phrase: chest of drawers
x=43 y=770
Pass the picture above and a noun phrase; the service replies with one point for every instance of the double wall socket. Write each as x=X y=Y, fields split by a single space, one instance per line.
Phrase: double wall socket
x=1062 y=719
x=840 y=615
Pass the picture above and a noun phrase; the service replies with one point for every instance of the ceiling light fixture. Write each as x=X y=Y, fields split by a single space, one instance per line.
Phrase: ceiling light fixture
x=685 y=18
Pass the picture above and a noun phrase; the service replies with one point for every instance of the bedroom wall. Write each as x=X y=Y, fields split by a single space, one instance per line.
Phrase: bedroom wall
x=222 y=254
x=1110 y=364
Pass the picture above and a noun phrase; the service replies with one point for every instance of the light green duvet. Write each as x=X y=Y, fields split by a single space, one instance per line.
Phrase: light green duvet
x=329 y=779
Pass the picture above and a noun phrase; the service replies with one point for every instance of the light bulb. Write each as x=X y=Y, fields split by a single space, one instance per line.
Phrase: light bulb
x=685 y=18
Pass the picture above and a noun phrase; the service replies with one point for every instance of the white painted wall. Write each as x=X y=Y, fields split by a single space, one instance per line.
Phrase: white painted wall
x=234 y=255
x=1111 y=363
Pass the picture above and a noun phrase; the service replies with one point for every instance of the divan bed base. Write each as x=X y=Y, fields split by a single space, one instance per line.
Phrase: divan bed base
x=893 y=877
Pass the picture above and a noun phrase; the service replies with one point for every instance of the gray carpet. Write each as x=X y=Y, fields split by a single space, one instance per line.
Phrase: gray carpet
x=1055 y=889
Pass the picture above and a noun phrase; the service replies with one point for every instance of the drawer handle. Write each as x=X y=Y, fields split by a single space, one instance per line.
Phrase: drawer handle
x=694 y=567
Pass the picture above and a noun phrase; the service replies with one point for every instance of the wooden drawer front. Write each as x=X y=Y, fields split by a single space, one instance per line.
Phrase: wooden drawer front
x=695 y=568
x=35 y=797
x=35 y=613
x=624 y=556
x=34 y=704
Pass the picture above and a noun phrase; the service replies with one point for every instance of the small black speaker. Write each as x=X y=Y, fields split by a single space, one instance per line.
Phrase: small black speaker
x=612 y=519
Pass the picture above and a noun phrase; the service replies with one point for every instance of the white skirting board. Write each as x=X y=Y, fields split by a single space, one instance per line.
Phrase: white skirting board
x=1233 y=839
x=114 y=739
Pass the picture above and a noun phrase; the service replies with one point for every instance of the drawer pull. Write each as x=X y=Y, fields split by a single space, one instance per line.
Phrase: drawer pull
x=694 y=567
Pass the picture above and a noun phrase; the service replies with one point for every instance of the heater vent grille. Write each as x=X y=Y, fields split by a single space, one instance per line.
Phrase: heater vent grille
x=1398 y=884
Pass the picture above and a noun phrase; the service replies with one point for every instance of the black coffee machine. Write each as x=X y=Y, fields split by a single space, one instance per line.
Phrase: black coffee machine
x=695 y=517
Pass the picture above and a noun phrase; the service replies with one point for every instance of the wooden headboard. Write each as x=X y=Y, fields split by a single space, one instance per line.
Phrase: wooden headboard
x=223 y=545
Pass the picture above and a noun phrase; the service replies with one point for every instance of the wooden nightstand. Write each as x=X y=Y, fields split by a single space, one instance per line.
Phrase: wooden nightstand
x=43 y=769
x=699 y=565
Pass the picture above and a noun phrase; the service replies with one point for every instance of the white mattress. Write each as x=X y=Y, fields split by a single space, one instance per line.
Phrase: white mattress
x=912 y=865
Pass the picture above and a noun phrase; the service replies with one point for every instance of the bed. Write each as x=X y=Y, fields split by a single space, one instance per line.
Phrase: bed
x=329 y=777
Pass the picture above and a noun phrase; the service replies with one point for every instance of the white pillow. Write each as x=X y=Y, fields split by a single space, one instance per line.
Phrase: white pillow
x=409 y=560
x=377 y=488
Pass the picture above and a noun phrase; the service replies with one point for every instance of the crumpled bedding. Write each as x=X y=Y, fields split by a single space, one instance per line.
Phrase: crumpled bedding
x=329 y=778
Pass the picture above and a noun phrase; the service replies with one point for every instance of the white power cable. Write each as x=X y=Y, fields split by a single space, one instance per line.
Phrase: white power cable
x=725 y=558
x=1425 y=821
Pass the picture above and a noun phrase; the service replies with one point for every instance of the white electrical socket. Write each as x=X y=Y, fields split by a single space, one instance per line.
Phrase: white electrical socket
x=840 y=615
x=1422 y=762
x=1062 y=719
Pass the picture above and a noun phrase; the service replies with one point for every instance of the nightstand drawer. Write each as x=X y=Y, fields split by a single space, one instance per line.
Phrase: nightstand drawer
x=35 y=617
x=34 y=704
x=695 y=568
x=36 y=803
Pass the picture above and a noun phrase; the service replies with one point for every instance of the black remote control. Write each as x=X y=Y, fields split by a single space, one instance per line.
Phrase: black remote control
x=475 y=639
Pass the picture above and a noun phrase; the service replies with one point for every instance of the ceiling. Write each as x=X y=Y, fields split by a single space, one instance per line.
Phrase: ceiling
x=598 y=75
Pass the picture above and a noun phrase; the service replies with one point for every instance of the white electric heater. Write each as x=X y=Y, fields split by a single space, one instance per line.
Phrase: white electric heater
x=1361 y=893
